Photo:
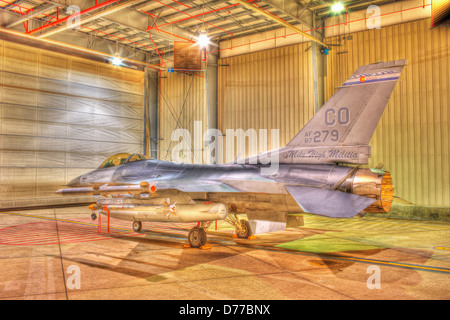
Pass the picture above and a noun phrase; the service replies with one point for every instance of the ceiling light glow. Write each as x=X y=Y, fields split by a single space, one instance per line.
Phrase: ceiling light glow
x=116 y=61
x=202 y=40
x=337 y=7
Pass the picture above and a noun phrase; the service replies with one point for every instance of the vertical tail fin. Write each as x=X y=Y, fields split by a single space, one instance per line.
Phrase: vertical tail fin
x=351 y=115
x=341 y=130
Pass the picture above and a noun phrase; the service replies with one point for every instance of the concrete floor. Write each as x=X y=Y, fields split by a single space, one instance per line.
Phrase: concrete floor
x=66 y=258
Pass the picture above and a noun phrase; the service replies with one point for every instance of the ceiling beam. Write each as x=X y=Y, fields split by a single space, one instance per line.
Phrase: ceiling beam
x=280 y=21
x=66 y=48
x=36 y=13
x=77 y=38
x=92 y=17
x=323 y=9
x=215 y=24
x=288 y=12
x=193 y=10
x=129 y=16
x=140 y=20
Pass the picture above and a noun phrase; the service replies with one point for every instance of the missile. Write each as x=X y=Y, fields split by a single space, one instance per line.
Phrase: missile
x=144 y=189
x=204 y=211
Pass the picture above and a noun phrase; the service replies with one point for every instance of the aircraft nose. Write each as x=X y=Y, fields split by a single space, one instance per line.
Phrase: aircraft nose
x=74 y=182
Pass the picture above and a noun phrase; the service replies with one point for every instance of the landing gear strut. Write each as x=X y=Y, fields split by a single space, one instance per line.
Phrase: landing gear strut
x=242 y=227
x=243 y=230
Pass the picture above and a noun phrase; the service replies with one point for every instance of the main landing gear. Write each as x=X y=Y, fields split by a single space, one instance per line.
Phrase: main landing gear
x=197 y=236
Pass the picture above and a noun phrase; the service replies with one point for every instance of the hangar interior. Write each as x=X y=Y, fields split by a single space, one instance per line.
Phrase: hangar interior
x=81 y=80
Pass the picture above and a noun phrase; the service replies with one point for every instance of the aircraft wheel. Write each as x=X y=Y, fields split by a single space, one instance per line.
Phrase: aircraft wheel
x=197 y=237
x=244 y=231
x=137 y=226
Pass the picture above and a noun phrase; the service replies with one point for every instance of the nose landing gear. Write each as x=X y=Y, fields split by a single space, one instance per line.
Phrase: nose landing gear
x=137 y=226
x=243 y=229
x=242 y=226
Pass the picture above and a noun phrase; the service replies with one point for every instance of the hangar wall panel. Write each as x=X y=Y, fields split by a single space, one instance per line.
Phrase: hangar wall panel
x=182 y=103
x=412 y=138
x=61 y=116
x=271 y=89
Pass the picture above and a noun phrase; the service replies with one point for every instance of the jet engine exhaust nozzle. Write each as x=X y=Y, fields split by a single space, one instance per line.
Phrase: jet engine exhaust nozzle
x=375 y=184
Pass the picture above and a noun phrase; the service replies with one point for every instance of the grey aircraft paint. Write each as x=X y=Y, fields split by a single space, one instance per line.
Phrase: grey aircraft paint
x=309 y=172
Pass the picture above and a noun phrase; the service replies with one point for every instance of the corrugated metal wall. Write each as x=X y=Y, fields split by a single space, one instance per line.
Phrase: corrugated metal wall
x=412 y=138
x=182 y=102
x=61 y=116
x=274 y=89
x=271 y=89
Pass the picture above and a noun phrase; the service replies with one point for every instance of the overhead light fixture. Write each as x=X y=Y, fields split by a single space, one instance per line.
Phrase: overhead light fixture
x=203 y=40
x=337 y=7
x=116 y=61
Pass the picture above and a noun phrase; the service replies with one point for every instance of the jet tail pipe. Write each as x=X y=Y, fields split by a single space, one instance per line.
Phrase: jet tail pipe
x=376 y=184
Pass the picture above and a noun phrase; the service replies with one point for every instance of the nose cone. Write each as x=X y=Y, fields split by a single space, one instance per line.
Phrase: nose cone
x=222 y=210
x=74 y=182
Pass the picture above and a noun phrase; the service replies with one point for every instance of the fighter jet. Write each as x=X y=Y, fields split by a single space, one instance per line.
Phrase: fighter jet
x=318 y=172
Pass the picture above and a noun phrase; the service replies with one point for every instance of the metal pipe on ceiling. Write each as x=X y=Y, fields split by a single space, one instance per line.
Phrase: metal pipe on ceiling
x=98 y=6
x=198 y=15
x=206 y=22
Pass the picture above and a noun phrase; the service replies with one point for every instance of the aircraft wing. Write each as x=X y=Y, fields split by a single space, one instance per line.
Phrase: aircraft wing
x=330 y=203
x=196 y=186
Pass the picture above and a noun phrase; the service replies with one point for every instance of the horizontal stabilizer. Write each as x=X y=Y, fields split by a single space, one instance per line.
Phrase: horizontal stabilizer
x=402 y=201
x=330 y=203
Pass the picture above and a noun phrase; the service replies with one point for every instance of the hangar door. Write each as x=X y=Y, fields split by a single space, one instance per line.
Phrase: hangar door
x=61 y=116
x=270 y=89
x=182 y=106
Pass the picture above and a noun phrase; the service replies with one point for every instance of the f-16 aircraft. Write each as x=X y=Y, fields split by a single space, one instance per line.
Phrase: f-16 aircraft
x=310 y=176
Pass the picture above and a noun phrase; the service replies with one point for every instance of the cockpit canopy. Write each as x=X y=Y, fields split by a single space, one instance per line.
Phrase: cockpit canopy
x=122 y=158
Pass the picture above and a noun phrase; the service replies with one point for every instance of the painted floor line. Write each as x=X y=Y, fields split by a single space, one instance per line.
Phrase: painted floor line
x=306 y=253
x=399 y=224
